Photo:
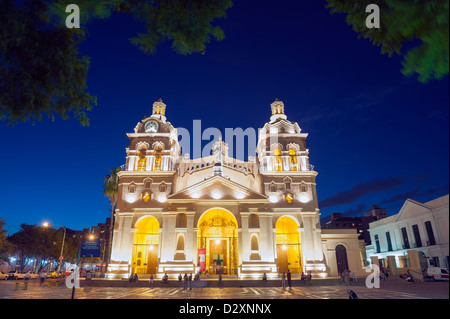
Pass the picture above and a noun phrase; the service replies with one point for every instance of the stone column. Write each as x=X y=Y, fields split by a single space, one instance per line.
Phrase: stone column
x=414 y=264
x=244 y=240
x=266 y=237
x=374 y=261
x=168 y=236
x=392 y=265
x=308 y=236
x=190 y=244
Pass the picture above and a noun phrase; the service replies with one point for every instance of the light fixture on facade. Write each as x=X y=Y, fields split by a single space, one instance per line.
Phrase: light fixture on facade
x=289 y=198
x=146 y=196
x=162 y=198
x=273 y=198
x=151 y=247
x=284 y=247
x=217 y=241
x=216 y=195
x=240 y=196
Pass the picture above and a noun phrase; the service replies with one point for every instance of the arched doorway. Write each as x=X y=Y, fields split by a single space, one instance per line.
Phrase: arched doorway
x=217 y=234
x=341 y=258
x=145 y=247
x=289 y=252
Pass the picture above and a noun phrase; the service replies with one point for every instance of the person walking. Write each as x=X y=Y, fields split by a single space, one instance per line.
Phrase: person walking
x=190 y=281
x=346 y=277
x=220 y=281
x=283 y=281
x=42 y=276
x=185 y=282
x=151 y=278
x=289 y=279
x=88 y=278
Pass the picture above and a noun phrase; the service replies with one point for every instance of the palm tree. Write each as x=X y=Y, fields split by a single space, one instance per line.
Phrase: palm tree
x=111 y=189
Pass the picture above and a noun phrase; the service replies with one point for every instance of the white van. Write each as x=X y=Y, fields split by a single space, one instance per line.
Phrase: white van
x=437 y=273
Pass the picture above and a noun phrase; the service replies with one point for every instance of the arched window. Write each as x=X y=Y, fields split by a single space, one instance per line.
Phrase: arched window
x=131 y=188
x=273 y=187
x=293 y=159
x=162 y=187
x=158 y=152
x=142 y=162
x=253 y=221
x=181 y=220
x=180 y=242
x=278 y=161
x=254 y=243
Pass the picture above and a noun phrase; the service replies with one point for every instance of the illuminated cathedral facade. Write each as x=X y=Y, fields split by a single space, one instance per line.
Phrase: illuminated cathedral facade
x=218 y=214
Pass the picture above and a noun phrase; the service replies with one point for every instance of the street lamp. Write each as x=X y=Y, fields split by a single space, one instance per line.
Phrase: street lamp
x=61 y=256
x=91 y=237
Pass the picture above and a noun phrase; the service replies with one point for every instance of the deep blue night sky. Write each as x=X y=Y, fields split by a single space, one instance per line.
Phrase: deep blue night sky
x=375 y=137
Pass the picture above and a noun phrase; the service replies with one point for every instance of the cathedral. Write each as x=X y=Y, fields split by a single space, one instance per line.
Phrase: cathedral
x=220 y=215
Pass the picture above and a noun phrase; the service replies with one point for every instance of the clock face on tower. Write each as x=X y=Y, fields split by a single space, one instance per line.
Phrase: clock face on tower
x=151 y=127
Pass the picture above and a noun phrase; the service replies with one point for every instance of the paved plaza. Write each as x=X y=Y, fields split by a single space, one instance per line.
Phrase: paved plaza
x=388 y=290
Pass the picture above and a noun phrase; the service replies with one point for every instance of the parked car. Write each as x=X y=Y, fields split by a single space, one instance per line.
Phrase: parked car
x=436 y=273
x=3 y=276
x=31 y=275
x=14 y=275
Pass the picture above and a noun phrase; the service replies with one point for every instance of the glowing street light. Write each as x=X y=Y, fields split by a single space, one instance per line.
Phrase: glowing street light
x=61 y=256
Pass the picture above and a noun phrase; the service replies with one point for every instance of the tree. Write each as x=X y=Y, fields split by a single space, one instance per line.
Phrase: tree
x=41 y=70
x=418 y=27
x=5 y=247
x=111 y=189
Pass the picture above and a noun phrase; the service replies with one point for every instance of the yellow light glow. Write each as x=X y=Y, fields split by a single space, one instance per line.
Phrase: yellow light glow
x=217 y=241
x=146 y=196
x=91 y=237
x=151 y=247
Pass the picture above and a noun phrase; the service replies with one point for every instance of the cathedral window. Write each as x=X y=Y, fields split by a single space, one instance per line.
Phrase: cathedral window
x=303 y=188
x=293 y=159
x=131 y=188
x=142 y=162
x=162 y=187
x=158 y=153
x=253 y=221
x=273 y=187
x=278 y=161
x=181 y=221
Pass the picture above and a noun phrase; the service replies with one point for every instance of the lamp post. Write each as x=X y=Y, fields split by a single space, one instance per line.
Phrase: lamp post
x=91 y=237
x=61 y=256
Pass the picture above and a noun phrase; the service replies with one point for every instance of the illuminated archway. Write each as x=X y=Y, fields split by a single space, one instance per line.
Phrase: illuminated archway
x=217 y=234
x=146 y=246
x=289 y=251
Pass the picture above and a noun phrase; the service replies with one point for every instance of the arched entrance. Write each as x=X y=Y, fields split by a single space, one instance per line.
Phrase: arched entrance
x=217 y=234
x=289 y=252
x=341 y=258
x=145 y=247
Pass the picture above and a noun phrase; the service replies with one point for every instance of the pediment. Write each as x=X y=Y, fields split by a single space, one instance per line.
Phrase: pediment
x=217 y=188
x=412 y=208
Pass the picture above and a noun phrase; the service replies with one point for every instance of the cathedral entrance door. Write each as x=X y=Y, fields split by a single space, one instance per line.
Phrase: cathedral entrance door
x=217 y=233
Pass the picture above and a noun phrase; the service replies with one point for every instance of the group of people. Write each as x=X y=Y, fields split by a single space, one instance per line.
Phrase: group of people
x=347 y=276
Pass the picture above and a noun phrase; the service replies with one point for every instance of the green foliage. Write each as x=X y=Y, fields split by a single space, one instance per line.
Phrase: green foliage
x=43 y=74
x=41 y=70
x=420 y=24
x=5 y=247
x=32 y=241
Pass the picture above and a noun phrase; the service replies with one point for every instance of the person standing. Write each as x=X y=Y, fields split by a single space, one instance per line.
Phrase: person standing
x=283 y=281
x=190 y=281
x=185 y=281
x=151 y=278
x=220 y=281
x=289 y=278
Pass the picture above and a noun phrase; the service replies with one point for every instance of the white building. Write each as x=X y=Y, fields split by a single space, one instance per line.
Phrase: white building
x=418 y=226
x=176 y=214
